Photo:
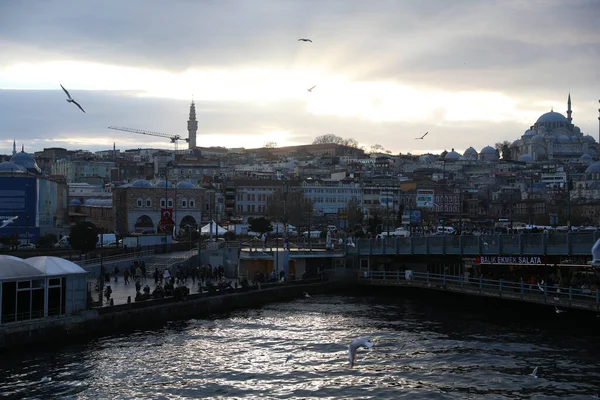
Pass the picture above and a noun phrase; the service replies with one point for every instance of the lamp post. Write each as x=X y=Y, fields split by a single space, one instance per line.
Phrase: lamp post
x=166 y=201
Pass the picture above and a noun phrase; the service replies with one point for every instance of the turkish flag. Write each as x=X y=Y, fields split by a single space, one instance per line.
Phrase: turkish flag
x=166 y=214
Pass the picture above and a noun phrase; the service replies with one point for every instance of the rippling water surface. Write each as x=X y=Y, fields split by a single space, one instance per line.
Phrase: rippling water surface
x=447 y=354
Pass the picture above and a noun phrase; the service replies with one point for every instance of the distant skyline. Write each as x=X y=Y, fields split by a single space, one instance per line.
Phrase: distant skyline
x=470 y=72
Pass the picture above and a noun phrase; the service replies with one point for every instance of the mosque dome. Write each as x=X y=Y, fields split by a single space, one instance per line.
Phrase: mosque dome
x=530 y=132
x=593 y=168
x=142 y=183
x=515 y=143
x=75 y=202
x=9 y=166
x=162 y=183
x=525 y=158
x=470 y=152
x=589 y=139
x=574 y=139
x=552 y=117
x=452 y=155
x=537 y=139
x=586 y=158
x=542 y=129
x=185 y=185
x=488 y=150
x=576 y=129
x=26 y=161
x=563 y=139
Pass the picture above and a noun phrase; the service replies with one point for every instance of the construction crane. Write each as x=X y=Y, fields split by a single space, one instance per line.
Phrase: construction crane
x=174 y=138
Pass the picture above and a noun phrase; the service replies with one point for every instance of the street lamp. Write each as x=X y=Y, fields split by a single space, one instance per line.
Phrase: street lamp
x=27 y=213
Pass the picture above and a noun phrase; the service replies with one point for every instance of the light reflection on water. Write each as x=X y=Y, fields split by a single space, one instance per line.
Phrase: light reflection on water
x=448 y=354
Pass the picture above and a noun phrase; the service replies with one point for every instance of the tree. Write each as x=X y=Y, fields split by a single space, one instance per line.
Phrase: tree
x=297 y=207
x=330 y=138
x=504 y=149
x=377 y=148
x=84 y=236
x=375 y=223
x=354 y=213
x=260 y=225
x=270 y=145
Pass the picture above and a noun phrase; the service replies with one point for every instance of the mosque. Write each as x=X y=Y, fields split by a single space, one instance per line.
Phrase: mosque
x=552 y=137
x=555 y=137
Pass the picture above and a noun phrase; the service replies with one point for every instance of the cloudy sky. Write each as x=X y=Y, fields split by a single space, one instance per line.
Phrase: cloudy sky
x=470 y=72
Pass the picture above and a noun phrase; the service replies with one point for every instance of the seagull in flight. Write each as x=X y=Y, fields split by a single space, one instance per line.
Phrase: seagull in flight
x=45 y=379
x=558 y=310
x=70 y=99
x=422 y=137
x=305 y=294
x=305 y=40
x=7 y=221
x=354 y=345
x=534 y=373
x=311 y=89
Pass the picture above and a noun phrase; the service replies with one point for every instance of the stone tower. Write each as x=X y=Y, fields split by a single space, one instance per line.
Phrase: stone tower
x=192 y=126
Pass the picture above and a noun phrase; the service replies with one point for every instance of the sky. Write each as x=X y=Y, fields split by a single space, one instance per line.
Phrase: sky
x=469 y=72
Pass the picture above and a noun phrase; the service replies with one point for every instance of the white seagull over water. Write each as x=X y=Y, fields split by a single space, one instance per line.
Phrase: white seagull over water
x=534 y=373
x=288 y=358
x=558 y=310
x=7 y=221
x=354 y=345
x=45 y=379
x=305 y=294
x=70 y=99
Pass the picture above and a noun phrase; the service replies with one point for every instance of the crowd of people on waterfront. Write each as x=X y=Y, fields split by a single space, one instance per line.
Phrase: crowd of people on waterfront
x=173 y=281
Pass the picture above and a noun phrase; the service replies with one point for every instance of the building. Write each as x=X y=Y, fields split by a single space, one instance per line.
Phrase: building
x=144 y=207
x=39 y=204
x=40 y=287
x=554 y=137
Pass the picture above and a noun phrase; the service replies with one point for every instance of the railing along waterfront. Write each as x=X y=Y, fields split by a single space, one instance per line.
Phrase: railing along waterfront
x=116 y=258
x=534 y=293
x=569 y=243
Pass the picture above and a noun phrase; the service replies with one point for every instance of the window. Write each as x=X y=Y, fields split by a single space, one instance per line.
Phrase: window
x=183 y=203
x=170 y=202
x=192 y=204
x=163 y=203
x=148 y=202
x=139 y=202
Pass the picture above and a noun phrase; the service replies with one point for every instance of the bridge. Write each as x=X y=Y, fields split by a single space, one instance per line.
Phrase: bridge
x=558 y=297
x=566 y=244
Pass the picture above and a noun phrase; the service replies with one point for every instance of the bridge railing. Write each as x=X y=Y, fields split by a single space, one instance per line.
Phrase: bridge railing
x=554 y=293
x=569 y=243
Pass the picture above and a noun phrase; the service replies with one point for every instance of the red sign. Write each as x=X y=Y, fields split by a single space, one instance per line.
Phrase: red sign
x=166 y=214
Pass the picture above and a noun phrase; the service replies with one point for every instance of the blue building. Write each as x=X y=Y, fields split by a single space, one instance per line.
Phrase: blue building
x=39 y=205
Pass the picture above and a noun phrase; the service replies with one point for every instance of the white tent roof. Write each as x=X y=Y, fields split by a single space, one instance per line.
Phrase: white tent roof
x=54 y=266
x=14 y=267
x=215 y=228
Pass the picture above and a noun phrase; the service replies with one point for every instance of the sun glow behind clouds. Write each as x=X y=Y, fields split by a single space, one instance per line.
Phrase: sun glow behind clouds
x=334 y=94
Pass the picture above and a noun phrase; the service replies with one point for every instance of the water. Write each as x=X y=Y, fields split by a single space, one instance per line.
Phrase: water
x=449 y=354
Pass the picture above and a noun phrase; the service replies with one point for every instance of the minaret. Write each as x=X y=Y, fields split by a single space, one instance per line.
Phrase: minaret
x=192 y=126
x=569 y=110
x=599 y=123
x=14 y=147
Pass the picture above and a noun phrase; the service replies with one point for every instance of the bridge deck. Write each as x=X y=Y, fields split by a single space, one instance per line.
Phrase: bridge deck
x=553 y=296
